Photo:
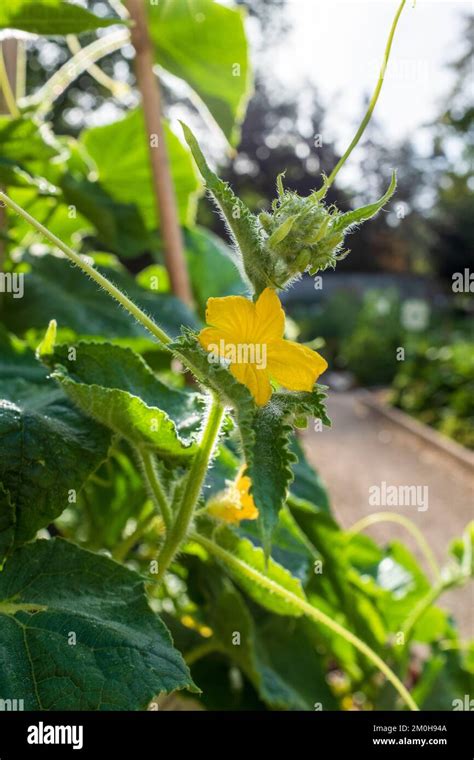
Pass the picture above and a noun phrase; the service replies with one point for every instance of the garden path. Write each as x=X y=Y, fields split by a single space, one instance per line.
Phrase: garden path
x=363 y=449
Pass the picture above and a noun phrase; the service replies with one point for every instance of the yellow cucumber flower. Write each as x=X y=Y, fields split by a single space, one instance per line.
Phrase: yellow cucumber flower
x=235 y=503
x=249 y=336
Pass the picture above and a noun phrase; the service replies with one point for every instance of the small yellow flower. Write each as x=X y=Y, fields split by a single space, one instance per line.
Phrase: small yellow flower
x=189 y=622
x=235 y=503
x=250 y=337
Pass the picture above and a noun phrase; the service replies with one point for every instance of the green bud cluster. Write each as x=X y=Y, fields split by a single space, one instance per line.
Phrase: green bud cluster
x=301 y=234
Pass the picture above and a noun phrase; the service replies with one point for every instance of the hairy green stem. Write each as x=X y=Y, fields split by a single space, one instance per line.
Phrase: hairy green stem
x=192 y=489
x=373 y=100
x=99 y=278
x=154 y=485
x=307 y=609
x=410 y=526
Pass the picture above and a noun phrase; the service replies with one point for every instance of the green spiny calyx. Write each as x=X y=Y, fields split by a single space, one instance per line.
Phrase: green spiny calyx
x=305 y=234
x=300 y=235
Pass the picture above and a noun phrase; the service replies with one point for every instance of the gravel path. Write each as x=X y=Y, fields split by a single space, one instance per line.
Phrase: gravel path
x=362 y=450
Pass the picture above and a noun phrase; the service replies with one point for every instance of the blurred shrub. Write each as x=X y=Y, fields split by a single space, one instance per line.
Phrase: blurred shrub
x=370 y=350
x=436 y=385
x=333 y=320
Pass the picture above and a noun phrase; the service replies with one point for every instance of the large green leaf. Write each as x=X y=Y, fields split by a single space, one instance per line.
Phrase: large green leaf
x=50 y=17
x=119 y=489
x=121 y=154
x=118 y=389
x=204 y=43
x=268 y=454
x=13 y=175
x=49 y=209
x=54 y=289
x=47 y=447
x=70 y=204
x=77 y=633
x=23 y=141
x=400 y=575
x=119 y=226
x=7 y=522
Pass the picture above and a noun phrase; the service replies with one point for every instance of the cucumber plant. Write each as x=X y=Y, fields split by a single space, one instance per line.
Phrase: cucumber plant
x=158 y=535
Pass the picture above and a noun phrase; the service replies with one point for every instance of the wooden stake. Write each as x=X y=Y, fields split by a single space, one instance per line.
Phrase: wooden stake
x=9 y=51
x=165 y=198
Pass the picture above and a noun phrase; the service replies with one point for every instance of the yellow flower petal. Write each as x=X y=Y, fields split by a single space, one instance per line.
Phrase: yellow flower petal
x=242 y=331
x=294 y=366
x=270 y=318
x=235 y=503
x=234 y=315
x=211 y=336
x=243 y=484
x=256 y=380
